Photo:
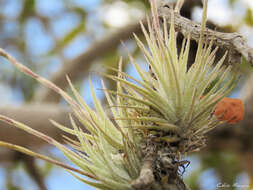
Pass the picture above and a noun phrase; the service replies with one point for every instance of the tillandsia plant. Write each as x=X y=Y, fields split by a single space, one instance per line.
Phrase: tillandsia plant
x=154 y=121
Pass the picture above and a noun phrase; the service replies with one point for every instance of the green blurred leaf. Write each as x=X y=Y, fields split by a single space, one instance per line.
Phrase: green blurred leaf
x=80 y=12
x=69 y=37
x=249 y=17
x=47 y=169
x=192 y=180
x=226 y=165
x=231 y=2
x=28 y=10
x=245 y=68
x=72 y=34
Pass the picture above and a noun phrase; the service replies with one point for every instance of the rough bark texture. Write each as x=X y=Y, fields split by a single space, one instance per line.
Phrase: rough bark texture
x=146 y=177
x=160 y=167
x=234 y=43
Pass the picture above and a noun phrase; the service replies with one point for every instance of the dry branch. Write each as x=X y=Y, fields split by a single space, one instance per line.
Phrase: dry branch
x=146 y=177
x=37 y=116
x=234 y=43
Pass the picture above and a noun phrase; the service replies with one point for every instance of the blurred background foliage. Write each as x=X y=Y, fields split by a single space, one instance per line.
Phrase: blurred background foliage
x=46 y=35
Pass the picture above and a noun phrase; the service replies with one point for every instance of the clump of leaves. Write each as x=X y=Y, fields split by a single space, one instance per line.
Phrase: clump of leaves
x=154 y=121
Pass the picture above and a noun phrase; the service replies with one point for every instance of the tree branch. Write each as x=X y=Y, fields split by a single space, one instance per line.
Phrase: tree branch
x=146 y=177
x=37 y=116
x=234 y=43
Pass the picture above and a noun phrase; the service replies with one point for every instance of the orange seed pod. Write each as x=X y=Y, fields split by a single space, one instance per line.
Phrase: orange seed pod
x=230 y=110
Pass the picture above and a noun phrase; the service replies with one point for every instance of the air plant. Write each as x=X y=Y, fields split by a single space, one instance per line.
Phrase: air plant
x=154 y=121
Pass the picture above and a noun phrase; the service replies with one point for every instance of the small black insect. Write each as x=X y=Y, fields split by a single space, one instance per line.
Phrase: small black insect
x=181 y=166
